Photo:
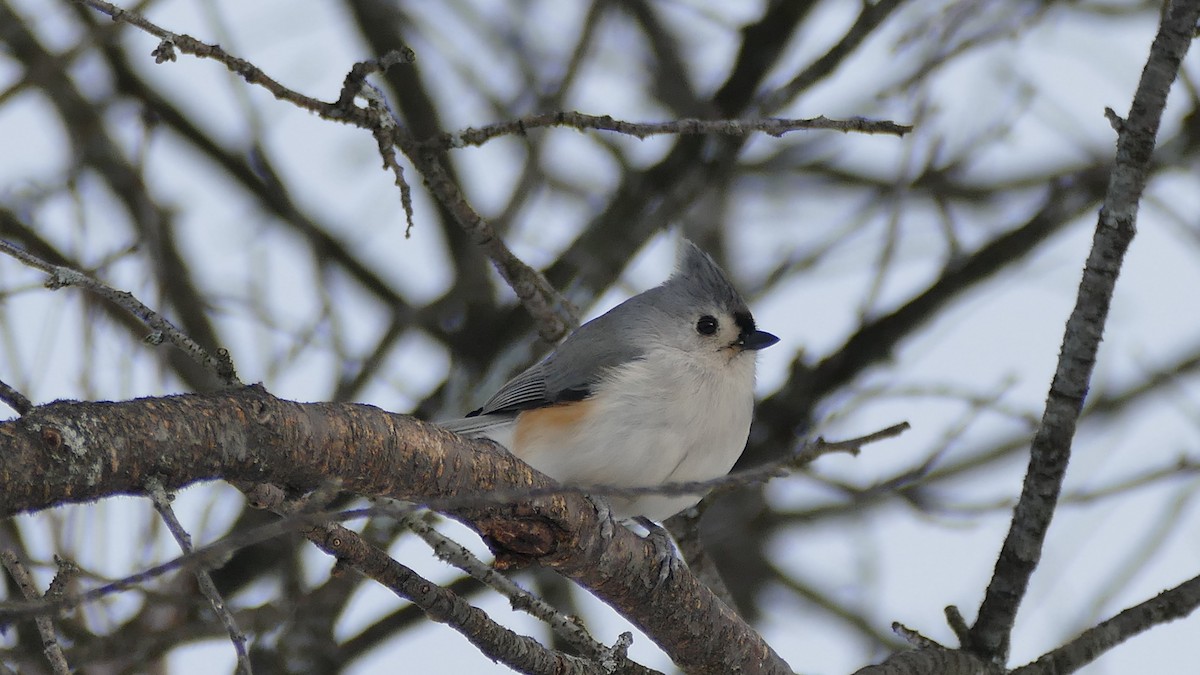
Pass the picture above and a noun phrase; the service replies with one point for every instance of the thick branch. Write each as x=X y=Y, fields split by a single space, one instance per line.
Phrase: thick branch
x=73 y=452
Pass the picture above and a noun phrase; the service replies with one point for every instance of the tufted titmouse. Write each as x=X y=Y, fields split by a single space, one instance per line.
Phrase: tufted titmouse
x=660 y=389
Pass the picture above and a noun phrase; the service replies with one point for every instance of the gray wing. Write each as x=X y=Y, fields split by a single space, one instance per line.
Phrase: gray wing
x=527 y=390
x=570 y=372
x=479 y=425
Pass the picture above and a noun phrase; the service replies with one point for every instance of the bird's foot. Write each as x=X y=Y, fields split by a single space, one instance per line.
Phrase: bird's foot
x=604 y=512
x=664 y=549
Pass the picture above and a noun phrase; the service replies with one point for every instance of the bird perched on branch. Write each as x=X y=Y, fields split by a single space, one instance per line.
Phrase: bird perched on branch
x=660 y=389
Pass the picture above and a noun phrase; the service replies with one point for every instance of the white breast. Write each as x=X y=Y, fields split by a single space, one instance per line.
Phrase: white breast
x=665 y=418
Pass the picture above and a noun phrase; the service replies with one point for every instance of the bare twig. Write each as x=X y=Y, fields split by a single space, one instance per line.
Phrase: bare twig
x=958 y=624
x=1051 y=447
x=165 y=51
x=339 y=541
x=476 y=626
x=1169 y=605
x=569 y=628
x=67 y=572
x=1144 y=552
x=357 y=77
x=217 y=553
x=553 y=314
x=387 y=149
x=932 y=660
x=497 y=642
x=45 y=627
x=1182 y=468
x=220 y=365
x=497 y=496
x=771 y=126
x=914 y=637
x=162 y=504
x=15 y=399
x=853 y=446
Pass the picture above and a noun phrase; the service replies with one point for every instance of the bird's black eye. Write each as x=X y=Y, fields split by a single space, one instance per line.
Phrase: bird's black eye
x=707 y=325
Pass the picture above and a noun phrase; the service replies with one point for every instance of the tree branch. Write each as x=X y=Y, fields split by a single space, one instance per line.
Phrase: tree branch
x=162 y=504
x=220 y=366
x=1169 y=605
x=444 y=606
x=937 y=660
x=45 y=627
x=15 y=399
x=71 y=452
x=1051 y=447
x=569 y=628
x=772 y=126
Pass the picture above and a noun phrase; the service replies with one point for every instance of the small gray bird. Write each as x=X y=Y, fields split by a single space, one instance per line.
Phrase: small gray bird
x=660 y=389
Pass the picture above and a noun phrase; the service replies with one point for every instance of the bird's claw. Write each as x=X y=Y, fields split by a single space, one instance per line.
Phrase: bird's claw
x=604 y=512
x=664 y=549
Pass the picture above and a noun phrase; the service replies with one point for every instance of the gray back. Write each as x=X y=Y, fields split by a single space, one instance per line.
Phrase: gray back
x=619 y=336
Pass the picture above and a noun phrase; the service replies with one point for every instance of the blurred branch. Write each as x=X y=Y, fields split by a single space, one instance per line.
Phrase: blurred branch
x=827 y=604
x=672 y=83
x=869 y=18
x=1103 y=407
x=647 y=199
x=875 y=340
x=982 y=211
x=257 y=177
x=81 y=451
x=208 y=557
x=554 y=315
x=92 y=146
x=166 y=621
x=1169 y=605
x=466 y=310
x=1144 y=553
x=220 y=365
x=50 y=645
x=1181 y=468
x=1051 y=447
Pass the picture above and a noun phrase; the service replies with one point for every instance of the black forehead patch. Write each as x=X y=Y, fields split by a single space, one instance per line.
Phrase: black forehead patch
x=745 y=322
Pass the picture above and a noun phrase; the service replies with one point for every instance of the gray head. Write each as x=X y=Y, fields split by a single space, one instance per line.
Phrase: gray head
x=698 y=310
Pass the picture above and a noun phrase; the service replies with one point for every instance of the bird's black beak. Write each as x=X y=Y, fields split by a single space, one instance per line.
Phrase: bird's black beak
x=756 y=340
